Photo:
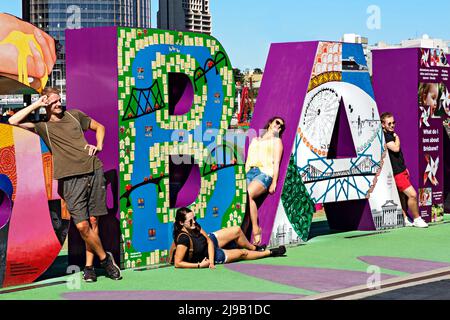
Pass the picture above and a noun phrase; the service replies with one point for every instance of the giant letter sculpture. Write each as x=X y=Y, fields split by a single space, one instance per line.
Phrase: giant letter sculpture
x=169 y=99
x=333 y=142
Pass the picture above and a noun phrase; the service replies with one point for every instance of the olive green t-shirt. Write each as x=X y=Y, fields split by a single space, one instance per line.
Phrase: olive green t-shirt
x=67 y=144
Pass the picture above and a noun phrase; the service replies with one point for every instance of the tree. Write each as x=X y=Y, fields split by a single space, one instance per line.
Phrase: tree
x=238 y=75
x=257 y=71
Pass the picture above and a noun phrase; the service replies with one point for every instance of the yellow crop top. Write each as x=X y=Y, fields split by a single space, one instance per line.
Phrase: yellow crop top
x=260 y=155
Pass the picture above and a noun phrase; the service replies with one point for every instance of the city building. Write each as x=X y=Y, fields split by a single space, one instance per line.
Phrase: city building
x=184 y=15
x=55 y=16
x=424 y=42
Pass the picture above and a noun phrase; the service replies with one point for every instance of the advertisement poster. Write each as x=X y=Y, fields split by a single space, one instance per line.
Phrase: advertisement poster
x=434 y=110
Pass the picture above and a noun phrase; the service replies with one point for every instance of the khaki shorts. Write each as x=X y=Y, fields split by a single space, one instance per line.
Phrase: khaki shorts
x=85 y=195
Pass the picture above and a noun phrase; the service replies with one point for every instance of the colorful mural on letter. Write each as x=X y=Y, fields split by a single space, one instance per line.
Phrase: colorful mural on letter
x=338 y=146
x=175 y=95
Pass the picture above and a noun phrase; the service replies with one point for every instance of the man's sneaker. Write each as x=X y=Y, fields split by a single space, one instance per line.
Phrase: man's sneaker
x=111 y=268
x=278 y=252
x=89 y=274
x=419 y=223
x=408 y=223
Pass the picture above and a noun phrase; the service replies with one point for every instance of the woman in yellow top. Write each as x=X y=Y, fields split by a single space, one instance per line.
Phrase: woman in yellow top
x=262 y=167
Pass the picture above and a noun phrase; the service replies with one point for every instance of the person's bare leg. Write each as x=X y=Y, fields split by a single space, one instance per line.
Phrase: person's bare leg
x=412 y=202
x=404 y=203
x=255 y=190
x=89 y=252
x=243 y=254
x=253 y=255
x=91 y=239
x=225 y=236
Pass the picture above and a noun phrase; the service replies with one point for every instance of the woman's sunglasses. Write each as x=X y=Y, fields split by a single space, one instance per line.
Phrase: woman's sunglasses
x=192 y=221
x=279 y=123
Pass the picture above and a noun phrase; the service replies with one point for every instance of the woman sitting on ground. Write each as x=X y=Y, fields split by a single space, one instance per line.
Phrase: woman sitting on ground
x=196 y=249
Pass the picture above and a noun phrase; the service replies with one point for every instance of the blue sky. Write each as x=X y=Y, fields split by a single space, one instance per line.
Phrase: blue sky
x=246 y=28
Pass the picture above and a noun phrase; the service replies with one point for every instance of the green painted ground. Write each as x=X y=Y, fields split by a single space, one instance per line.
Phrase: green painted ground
x=335 y=251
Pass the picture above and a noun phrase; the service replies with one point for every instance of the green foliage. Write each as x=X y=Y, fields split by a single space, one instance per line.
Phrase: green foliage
x=297 y=202
x=238 y=75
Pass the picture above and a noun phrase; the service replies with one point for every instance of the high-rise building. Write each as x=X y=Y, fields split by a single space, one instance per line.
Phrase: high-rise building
x=185 y=15
x=55 y=16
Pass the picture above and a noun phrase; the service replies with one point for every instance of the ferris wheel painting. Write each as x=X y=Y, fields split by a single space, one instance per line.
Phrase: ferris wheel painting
x=319 y=117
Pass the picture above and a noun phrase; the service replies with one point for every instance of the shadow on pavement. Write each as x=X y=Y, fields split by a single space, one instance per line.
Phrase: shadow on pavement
x=321 y=228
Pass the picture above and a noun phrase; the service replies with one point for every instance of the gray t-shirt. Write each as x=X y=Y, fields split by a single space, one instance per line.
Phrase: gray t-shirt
x=67 y=144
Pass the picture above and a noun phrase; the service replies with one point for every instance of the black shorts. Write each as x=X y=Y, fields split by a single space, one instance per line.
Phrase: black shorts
x=85 y=195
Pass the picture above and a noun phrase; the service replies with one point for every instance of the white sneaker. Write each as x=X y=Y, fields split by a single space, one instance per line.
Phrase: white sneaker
x=419 y=223
x=408 y=223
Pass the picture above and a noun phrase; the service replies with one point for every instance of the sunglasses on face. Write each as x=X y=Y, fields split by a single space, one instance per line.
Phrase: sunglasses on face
x=191 y=221
x=391 y=124
x=279 y=123
x=50 y=103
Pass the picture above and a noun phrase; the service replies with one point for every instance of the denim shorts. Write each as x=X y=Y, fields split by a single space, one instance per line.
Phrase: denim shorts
x=219 y=255
x=256 y=174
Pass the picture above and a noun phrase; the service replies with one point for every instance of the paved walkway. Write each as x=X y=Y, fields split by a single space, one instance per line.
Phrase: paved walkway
x=438 y=290
x=328 y=263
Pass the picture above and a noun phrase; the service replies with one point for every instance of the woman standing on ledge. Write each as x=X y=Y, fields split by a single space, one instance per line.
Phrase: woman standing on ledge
x=262 y=168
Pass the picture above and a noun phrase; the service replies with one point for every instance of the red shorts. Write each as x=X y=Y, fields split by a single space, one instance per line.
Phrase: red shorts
x=402 y=181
